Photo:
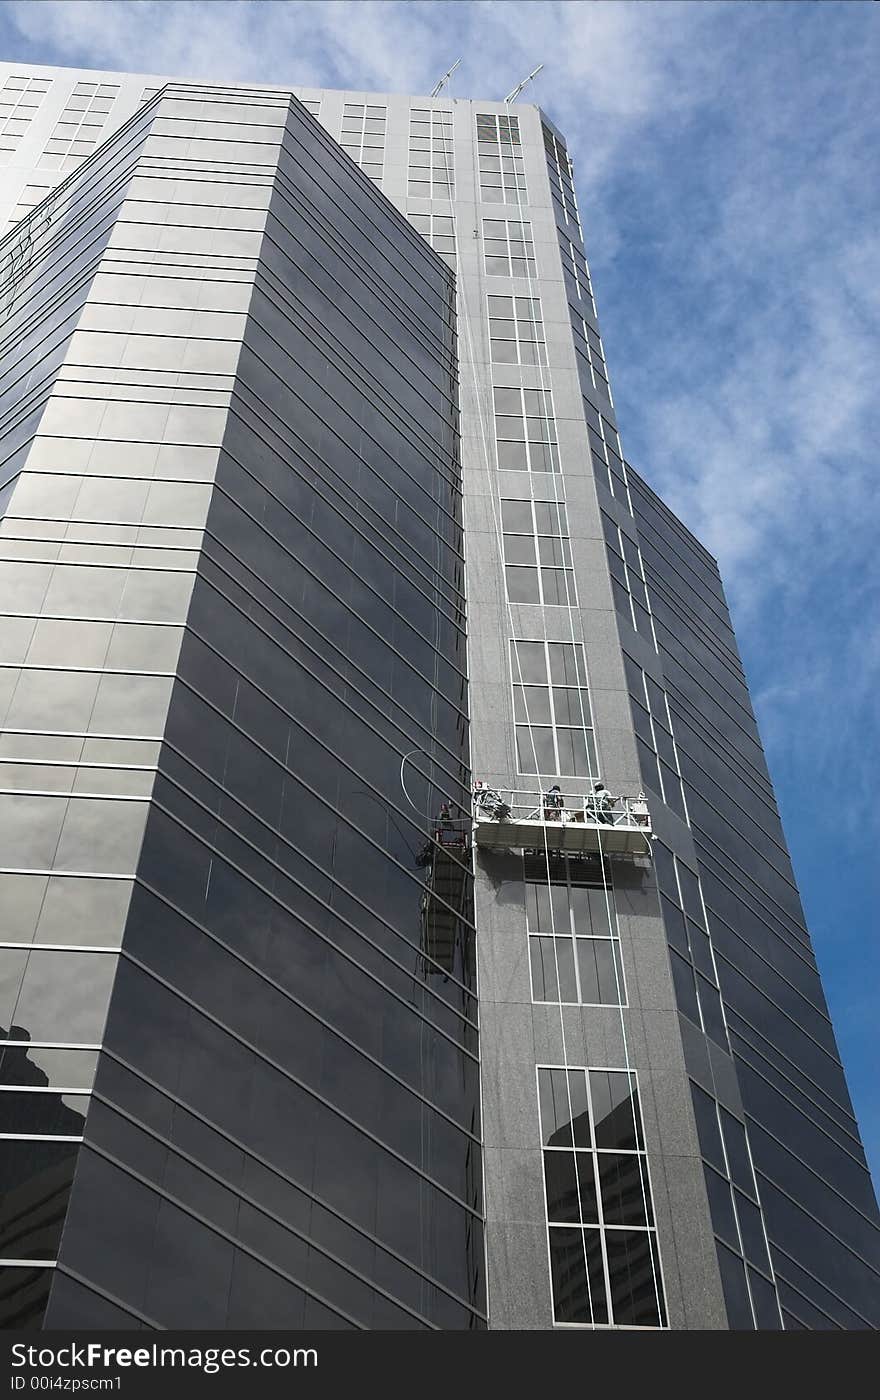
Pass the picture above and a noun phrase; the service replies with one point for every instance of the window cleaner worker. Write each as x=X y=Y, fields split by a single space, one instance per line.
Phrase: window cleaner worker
x=554 y=803
x=602 y=803
x=487 y=800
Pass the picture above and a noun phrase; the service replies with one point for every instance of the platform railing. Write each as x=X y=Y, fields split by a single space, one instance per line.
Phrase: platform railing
x=534 y=805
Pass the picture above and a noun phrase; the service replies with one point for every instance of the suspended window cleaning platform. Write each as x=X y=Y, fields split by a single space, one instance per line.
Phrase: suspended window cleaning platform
x=532 y=820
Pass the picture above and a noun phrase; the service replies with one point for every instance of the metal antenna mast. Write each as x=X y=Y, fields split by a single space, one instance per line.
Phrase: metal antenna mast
x=512 y=96
x=445 y=79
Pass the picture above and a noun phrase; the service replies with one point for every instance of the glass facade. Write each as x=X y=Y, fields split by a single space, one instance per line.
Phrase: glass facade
x=286 y=1104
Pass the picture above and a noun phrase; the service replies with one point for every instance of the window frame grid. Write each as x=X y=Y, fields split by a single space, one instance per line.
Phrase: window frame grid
x=508 y=256
x=655 y=721
x=617 y=549
x=536 y=319
x=684 y=908
x=572 y=935
x=581 y=278
x=440 y=151
x=20 y=86
x=561 y=174
x=566 y=568
x=498 y=135
x=584 y=335
x=595 y=1153
x=366 y=111
x=582 y=687
x=549 y=443
x=66 y=150
x=433 y=236
x=767 y=1273
x=610 y=459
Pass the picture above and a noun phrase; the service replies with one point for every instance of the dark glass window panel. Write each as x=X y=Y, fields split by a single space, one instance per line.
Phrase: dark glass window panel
x=535 y=752
x=539 y=429
x=528 y=662
x=558 y=587
x=566 y=664
x=537 y=403
x=664 y=745
x=520 y=549
x=547 y=907
x=737 y=1152
x=577 y=1088
x=591 y=910
x=710 y=1005
x=555 y=1108
x=565 y=963
x=633 y=1269
x=512 y=457
x=508 y=414
x=577 y=1275
x=41 y=1066
x=550 y=519
x=642 y=620
x=36 y=1176
x=24 y=1293
x=522 y=585
x=571 y=706
x=664 y=867
x=531 y=703
x=752 y=1231
x=637 y=589
x=504 y=352
x=764 y=1303
x=532 y=353
x=621 y=598
x=701 y=951
x=672 y=794
x=673 y=922
x=576 y=756
x=736 y=1294
x=642 y=723
x=543 y=457
x=43 y=1113
x=545 y=986
x=631 y=555
x=600 y=973
x=616 y=1110
x=721 y=1206
x=656 y=700
x=708 y=1130
x=553 y=552
x=624 y=1189
x=589 y=1195
x=555 y=969
x=560 y=1180
x=685 y=990
x=516 y=517
x=690 y=893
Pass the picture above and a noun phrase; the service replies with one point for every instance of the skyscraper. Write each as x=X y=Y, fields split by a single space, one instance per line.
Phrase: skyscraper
x=304 y=528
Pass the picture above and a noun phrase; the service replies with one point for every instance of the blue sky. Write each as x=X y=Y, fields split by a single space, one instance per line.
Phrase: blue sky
x=726 y=164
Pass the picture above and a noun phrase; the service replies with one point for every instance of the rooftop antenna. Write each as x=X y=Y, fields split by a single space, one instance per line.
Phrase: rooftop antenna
x=435 y=91
x=512 y=96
